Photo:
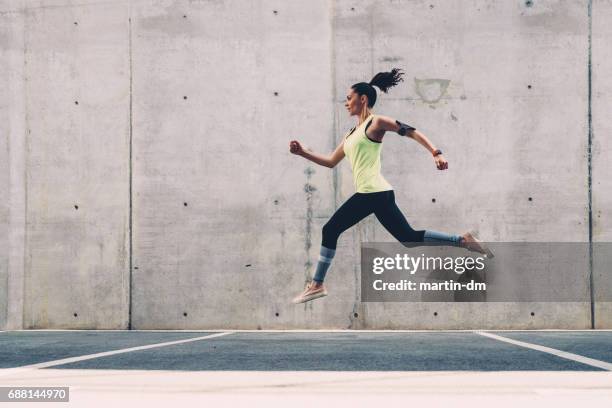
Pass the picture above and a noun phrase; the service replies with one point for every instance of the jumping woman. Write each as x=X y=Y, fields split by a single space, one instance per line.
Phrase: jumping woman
x=374 y=194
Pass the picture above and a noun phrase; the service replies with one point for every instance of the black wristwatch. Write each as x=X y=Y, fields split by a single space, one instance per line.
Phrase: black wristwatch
x=437 y=152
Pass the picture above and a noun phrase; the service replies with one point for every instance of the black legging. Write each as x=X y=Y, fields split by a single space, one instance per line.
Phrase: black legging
x=359 y=206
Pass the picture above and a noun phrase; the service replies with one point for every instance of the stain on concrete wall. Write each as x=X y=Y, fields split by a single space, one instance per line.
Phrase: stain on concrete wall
x=431 y=90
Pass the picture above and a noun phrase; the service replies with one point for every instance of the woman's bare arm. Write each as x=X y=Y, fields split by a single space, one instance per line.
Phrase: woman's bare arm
x=327 y=161
x=386 y=123
x=423 y=140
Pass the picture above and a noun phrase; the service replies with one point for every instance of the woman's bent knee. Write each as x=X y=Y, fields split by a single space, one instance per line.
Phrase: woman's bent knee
x=330 y=236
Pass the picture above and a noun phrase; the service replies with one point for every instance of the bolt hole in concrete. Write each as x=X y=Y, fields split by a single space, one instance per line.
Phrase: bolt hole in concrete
x=533 y=314
x=75 y=315
x=184 y=16
x=276 y=314
x=355 y=314
x=275 y=12
x=433 y=200
x=76 y=102
x=529 y=3
x=352 y=8
x=135 y=267
x=184 y=97
x=435 y=313
x=275 y=202
x=185 y=314
x=247 y=265
x=75 y=23
x=530 y=199
x=528 y=86
x=76 y=207
x=275 y=93
x=185 y=204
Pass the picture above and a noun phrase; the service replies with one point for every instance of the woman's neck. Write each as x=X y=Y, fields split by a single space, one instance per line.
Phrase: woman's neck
x=364 y=115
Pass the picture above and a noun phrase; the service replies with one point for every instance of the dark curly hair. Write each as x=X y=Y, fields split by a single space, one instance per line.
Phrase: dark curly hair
x=383 y=80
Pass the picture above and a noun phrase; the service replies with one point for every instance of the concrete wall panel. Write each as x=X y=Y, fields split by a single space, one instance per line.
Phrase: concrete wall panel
x=487 y=82
x=227 y=222
x=12 y=164
x=602 y=167
x=77 y=141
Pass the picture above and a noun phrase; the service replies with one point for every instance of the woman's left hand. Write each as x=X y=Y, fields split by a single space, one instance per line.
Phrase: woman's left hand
x=441 y=162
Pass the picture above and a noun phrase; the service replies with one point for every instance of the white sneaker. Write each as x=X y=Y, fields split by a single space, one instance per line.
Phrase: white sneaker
x=471 y=242
x=310 y=293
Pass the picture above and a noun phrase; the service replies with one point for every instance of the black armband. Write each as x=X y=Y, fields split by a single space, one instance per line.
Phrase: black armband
x=404 y=128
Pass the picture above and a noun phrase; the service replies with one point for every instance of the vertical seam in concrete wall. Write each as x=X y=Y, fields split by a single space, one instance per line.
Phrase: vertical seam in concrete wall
x=590 y=165
x=130 y=222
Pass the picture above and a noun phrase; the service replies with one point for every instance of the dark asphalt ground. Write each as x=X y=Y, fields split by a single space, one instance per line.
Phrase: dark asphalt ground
x=308 y=351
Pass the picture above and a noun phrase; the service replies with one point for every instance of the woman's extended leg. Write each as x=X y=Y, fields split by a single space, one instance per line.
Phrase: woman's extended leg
x=350 y=213
x=391 y=217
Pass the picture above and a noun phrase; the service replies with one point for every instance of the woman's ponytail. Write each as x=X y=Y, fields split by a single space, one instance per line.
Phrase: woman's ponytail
x=383 y=80
x=386 y=80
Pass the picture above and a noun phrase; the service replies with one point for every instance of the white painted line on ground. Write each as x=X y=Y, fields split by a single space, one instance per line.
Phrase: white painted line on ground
x=105 y=354
x=563 y=354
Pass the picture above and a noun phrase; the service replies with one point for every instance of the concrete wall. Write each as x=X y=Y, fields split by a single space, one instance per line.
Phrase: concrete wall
x=602 y=167
x=12 y=164
x=69 y=164
x=175 y=161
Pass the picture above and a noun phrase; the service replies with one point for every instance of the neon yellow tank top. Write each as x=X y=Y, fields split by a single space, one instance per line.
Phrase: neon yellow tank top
x=364 y=156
